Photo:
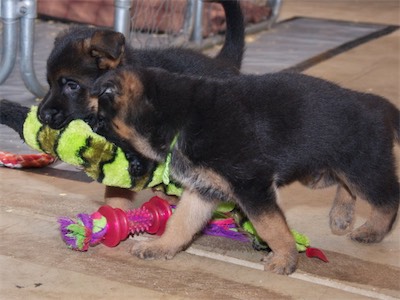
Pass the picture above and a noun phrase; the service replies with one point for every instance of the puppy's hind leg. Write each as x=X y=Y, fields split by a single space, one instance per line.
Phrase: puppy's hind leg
x=379 y=223
x=383 y=196
x=376 y=227
x=189 y=217
x=342 y=211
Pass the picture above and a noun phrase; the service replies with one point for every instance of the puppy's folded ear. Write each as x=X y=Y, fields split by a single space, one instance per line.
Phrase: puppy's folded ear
x=108 y=47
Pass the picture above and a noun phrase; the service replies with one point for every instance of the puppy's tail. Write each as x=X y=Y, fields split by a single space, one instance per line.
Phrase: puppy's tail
x=234 y=46
x=13 y=115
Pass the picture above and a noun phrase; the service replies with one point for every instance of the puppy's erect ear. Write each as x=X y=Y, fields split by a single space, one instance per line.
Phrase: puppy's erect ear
x=108 y=47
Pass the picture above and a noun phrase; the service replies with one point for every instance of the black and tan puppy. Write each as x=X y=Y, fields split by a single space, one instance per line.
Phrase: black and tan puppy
x=81 y=55
x=242 y=138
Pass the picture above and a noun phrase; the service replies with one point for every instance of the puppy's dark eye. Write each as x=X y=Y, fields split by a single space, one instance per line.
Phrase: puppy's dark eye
x=105 y=97
x=72 y=85
x=108 y=90
x=69 y=85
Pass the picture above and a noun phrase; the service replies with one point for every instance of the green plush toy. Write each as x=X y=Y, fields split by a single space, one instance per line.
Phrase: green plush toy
x=78 y=145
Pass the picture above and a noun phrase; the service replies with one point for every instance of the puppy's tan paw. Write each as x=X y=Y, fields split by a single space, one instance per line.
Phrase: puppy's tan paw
x=151 y=250
x=341 y=219
x=280 y=264
x=366 y=234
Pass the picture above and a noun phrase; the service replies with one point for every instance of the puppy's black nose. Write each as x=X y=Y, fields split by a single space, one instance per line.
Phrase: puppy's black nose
x=136 y=168
x=47 y=116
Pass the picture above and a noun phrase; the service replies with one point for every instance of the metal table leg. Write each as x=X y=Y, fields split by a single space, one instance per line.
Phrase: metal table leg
x=12 y=13
x=122 y=17
x=29 y=11
x=9 y=18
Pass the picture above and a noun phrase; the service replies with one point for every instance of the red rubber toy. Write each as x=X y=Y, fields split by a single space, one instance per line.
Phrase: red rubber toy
x=151 y=217
x=154 y=215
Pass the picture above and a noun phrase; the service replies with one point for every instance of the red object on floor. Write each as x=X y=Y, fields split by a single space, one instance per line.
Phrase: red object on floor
x=315 y=252
x=18 y=161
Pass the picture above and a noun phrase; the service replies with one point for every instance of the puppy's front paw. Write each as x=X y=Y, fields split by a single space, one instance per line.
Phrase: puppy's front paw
x=280 y=264
x=152 y=250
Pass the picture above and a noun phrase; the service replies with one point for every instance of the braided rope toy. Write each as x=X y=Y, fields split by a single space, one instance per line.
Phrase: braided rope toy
x=19 y=161
x=110 y=226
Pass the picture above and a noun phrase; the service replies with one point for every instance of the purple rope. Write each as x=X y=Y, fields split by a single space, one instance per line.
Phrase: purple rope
x=225 y=231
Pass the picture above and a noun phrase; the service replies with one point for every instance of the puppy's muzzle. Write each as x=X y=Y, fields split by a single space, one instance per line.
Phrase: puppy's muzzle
x=53 y=118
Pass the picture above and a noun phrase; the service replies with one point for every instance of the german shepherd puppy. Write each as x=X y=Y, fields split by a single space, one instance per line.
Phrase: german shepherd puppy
x=81 y=55
x=244 y=137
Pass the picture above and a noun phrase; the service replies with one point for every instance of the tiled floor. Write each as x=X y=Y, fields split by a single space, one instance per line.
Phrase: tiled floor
x=36 y=265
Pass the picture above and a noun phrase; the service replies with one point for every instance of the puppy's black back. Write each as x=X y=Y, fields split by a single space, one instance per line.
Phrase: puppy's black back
x=305 y=114
x=281 y=127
